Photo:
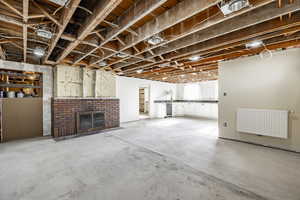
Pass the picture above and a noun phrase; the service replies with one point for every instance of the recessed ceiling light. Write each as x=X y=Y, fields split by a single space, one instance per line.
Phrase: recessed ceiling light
x=39 y=52
x=195 y=58
x=102 y=63
x=154 y=40
x=121 y=55
x=139 y=71
x=194 y=73
x=254 y=44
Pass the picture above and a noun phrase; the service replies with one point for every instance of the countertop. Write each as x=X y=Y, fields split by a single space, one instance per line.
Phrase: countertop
x=186 y=101
x=86 y=98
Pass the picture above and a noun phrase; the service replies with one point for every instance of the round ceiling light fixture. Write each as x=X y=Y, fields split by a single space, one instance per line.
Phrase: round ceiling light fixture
x=102 y=63
x=139 y=71
x=155 y=39
x=39 y=51
x=237 y=5
x=121 y=55
x=195 y=58
x=254 y=44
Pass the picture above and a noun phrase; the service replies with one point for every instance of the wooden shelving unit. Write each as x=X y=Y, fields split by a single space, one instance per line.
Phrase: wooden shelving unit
x=27 y=82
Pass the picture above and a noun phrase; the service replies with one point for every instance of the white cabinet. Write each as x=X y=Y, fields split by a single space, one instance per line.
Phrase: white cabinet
x=193 y=109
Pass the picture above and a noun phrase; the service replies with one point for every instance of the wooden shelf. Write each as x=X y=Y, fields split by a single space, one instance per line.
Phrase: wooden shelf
x=5 y=85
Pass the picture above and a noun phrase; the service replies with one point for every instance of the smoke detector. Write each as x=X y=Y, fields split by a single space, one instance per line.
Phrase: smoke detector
x=228 y=7
x=59 y=2
x=155 y=39
x=44 y=33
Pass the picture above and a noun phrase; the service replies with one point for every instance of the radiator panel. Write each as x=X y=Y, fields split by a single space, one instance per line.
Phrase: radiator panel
x=272 y=123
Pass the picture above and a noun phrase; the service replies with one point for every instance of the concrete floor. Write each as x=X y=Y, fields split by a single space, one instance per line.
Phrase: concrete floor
x=166 y=159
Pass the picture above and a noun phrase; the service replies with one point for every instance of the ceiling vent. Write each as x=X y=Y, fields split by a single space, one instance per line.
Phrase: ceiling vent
x=44 y=33
x=60 y=2
x=228 y=7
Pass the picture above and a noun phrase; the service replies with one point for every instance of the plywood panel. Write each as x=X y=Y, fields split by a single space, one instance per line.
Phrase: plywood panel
x=22 y=118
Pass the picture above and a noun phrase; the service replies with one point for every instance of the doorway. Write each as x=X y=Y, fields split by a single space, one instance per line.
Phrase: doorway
x=144 y=102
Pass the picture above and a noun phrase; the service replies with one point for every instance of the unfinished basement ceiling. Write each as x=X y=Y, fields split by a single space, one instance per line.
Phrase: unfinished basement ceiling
x=165 y=40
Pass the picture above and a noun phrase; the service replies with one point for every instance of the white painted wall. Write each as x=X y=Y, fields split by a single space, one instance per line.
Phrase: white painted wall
x=261 y=84
x=206 y=90
x=127 y=92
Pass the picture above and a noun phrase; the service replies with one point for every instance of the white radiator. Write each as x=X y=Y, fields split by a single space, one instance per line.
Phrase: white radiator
x=272 y=123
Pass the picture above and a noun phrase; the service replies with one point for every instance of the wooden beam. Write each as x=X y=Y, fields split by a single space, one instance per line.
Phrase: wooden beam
x=10 y=20
x=136 y=12
x=25 y=19
x=43 y=10
x=11 y=7
x=2 y=53
x=180 y=12
x=261 y=14
x=66 y=17
x=194 y=26
x=102 y=10
x=33 y=16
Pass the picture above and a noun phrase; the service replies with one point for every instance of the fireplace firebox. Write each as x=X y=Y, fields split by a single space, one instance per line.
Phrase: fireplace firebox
x=90 y=121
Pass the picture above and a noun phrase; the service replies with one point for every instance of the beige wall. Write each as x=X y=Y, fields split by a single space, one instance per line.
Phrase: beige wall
x=83 y=82
x=271 y=83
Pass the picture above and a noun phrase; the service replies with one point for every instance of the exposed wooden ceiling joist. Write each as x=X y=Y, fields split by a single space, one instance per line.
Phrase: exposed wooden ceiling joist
x=248 y=19
x=196 y=27
x=66 y=16
x=136 y=12
x=180 y=12
x=102 y=10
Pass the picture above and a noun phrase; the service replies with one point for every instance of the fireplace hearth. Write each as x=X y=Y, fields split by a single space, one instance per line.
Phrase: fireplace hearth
x=90 y=121
x=73 y=116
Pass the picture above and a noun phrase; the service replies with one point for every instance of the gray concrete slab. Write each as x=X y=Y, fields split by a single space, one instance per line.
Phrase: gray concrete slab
x=176 y=159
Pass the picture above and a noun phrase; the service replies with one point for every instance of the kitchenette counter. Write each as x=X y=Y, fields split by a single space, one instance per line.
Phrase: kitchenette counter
x=186 y=101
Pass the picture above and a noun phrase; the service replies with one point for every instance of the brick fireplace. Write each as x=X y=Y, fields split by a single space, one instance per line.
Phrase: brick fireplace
x=67 y=113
